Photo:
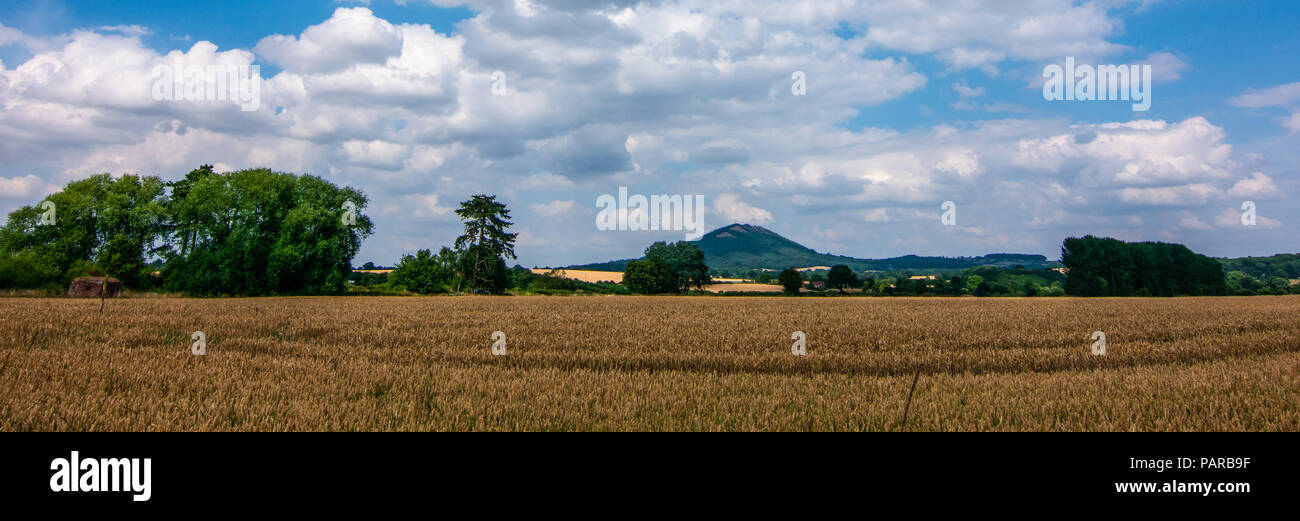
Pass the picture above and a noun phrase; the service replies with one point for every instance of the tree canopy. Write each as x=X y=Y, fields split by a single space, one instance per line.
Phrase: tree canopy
x=251 y=232
x=99 y=224
x=485 y=243
x=667 y=268
x=1110 y=267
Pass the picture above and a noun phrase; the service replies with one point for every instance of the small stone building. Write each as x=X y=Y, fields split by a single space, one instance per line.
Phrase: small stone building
x=94 y=286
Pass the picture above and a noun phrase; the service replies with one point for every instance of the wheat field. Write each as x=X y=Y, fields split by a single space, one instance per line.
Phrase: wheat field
x=649 y=363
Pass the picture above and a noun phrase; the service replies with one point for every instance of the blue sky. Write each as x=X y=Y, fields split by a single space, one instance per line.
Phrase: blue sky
x=908 y=104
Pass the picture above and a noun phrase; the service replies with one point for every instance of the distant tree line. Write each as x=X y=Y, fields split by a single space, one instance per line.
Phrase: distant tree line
x=1263 y=275
x=1110 y=267
x=983 y=281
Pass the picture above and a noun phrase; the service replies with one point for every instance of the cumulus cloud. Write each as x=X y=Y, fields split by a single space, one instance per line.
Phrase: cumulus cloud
x=1136 y=153
x=663 y=97
x=1258 y=186
x=733 y=210
x=351 y=36
x=25 y=189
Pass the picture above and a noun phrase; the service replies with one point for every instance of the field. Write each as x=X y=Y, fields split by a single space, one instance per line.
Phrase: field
x=585 y=275
x=649 y=363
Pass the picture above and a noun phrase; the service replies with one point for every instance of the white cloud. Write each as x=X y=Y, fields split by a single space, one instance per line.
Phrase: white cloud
x=351 y=36
x=1231 y=218
x=731 y=208
x=1185 y=195
x=376 y=154
x=128 y=30
x=553 y=208
x=1258 y=186
x=1165 y=67
x=25 y=189
x=1189 y=221
x=419 y=206
x=967 y=92
x=1279 y=96
x=9 y=35
x=1136 y=153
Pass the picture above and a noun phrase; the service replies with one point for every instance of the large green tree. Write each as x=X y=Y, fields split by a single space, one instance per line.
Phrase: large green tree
x=485 y=244
x=100 y=224
x=667 y=268
x=840 y=277
x=258 y=232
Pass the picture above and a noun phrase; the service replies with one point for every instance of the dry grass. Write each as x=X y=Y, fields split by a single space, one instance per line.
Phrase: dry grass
x=649 y=363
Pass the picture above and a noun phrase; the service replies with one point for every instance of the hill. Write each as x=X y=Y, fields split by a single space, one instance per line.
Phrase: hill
x=746 y=246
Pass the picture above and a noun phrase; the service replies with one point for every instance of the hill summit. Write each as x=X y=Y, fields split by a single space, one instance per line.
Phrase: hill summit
x=748 y=246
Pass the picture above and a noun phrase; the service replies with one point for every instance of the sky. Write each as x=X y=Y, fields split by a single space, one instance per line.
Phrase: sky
x=844 y=125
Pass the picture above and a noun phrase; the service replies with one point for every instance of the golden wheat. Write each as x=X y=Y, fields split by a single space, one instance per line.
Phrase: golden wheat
x=649 y=363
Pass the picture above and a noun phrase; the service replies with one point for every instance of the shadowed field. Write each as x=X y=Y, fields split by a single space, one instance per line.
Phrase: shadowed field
x=649 y=363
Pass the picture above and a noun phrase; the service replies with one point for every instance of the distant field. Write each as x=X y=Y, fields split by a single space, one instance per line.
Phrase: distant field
x=649 y=363
x=585 y=275
x=741 y=286
x=617 y=276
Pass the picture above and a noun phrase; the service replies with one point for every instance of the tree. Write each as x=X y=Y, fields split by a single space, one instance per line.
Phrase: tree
x=840 y=277
x=790 y=281
x=983 y=290
x=251 y=232
x=1103 y=266
x=955 y=285
x=868 y=284
x=425 y=272
x=485 y=243
x=683 y=265
x=667 y=268
x=102 y=223
x=259 y=232
x=646 y=277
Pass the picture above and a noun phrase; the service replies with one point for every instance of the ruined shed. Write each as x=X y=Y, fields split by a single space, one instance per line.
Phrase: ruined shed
x=94 y=287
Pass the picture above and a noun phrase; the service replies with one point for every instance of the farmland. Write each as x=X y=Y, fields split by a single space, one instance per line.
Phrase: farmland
x=649 y=363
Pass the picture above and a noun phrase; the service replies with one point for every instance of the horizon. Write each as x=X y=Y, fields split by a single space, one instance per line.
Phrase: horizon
x=846 y=128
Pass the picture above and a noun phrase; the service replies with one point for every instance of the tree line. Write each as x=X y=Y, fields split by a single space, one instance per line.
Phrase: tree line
x=260 y=232
x=1110 y=267
x=250 y=232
